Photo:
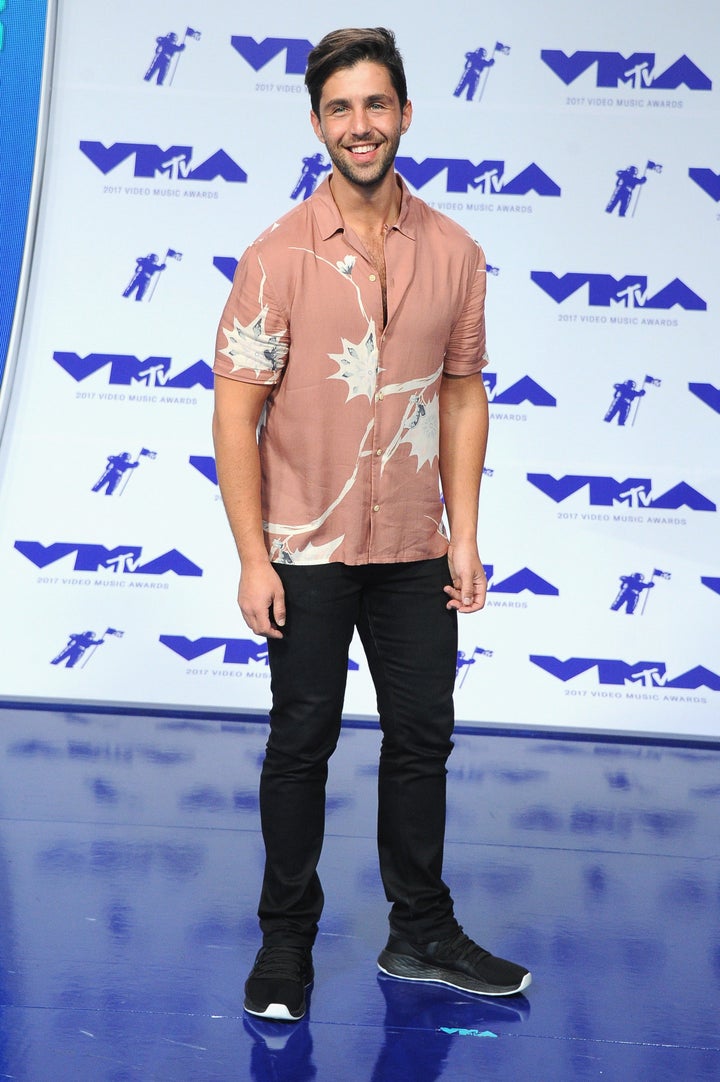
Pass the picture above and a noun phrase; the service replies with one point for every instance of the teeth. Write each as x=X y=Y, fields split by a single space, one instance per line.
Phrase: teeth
x=362 y=150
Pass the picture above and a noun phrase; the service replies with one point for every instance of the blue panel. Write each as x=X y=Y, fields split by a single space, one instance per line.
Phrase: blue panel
x=130 y=863
x=22 y=36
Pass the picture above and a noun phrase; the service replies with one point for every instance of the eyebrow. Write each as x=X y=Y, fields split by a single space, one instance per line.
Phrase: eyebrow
x=366 y=101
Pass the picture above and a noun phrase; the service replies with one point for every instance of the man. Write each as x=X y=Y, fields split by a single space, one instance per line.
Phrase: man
x=353 y=341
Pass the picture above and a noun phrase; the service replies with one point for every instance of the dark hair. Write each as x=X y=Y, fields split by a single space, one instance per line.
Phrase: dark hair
x=345 y=48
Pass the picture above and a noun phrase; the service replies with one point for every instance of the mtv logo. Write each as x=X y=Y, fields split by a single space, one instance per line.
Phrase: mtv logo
x=636 y=70
x=623 y=674
x=630 y=291
x=127 y=370
x=488 y=175
x=633 y=492
x=152 y=162
x=124 y=559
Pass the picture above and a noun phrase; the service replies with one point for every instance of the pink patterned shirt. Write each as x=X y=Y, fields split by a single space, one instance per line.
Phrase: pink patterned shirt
x=349 y=438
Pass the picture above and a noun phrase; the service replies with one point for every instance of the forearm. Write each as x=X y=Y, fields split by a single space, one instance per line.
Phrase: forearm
x=463 y=442
x=238 y=467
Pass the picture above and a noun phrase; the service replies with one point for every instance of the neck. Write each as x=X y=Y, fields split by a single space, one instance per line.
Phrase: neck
x=367 y=209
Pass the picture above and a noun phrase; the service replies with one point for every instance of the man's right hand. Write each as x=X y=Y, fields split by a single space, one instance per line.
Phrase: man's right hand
x=261 y=598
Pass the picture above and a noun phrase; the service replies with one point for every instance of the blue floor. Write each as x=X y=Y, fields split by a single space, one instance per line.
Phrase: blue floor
x=130 y=861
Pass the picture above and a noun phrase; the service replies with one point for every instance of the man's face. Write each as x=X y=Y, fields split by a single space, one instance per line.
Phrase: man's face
x=361 y=122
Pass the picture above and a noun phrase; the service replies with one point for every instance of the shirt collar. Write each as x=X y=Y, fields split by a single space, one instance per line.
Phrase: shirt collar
x=330 y=220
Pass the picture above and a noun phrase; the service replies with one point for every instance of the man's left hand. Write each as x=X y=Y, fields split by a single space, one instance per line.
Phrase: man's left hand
x=469 y=582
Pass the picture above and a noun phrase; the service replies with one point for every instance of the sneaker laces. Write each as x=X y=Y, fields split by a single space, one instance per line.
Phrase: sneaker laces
x=461 y=948
x=287 y=962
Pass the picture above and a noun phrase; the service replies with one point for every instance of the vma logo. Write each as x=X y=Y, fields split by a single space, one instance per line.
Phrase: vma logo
x=488 y=176
x=712 y=582
x=123 y=560
x=227 y=265
x=633 y=492
x=260 y=53
x=128 y=371
x=707 y=393
x=523 y=390
x=205 y=464
x=648 y=674
x=152 y=162
x=235 y=651
x=519 y=582
x=636 y=71
x=708 y=181
x=630 y=291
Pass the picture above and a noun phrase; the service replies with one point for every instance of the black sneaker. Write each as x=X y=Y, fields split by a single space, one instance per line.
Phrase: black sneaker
x=456 y=961
x=277 y=982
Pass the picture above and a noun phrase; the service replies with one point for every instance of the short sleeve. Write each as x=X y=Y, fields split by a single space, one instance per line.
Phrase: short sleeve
x=252 y=338
x=467 y=349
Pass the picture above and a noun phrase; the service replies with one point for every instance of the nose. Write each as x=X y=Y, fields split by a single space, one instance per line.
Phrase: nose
x=359 y=122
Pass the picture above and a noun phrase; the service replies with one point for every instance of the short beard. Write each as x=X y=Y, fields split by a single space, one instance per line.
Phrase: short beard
x=346 y=169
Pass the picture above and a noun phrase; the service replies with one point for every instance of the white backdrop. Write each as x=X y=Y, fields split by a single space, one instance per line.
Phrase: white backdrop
x=192 y=167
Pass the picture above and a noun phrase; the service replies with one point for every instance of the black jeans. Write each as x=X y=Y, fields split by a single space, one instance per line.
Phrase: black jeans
x=410 y=640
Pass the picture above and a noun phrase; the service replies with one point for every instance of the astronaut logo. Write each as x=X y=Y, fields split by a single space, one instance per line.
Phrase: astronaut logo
x=633 y=587
x=167 y=56
x=81 y=646
x=464 y=662
x=623 y=397
x=118 y=471
x=477 y=71
x=146 y=275
x=312 y=169
x=627 y=189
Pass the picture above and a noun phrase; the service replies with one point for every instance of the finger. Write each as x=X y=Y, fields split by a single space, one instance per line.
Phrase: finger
x=259 y=622
x=278 y=612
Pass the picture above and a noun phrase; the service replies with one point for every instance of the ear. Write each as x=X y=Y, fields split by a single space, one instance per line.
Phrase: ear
x=406 y=117
x=314 y=120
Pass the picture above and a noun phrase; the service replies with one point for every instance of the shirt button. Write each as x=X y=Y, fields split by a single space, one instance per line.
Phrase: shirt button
x=379 y=396
x=376 y=507
x=373 y=277
x=379 y=451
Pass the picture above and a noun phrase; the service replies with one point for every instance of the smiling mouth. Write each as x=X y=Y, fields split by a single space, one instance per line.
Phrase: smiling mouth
x=362 y=149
